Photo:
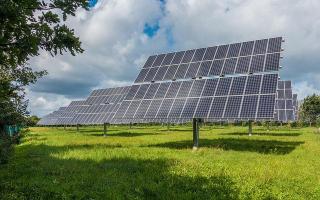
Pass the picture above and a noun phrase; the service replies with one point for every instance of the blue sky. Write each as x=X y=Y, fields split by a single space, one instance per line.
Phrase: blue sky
x=118 y=36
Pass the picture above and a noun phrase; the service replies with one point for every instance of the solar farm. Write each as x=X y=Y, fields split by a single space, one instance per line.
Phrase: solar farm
x=209 y=123
x=224 y=83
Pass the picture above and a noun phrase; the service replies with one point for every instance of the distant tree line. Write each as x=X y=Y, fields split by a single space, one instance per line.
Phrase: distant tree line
x=310 y=110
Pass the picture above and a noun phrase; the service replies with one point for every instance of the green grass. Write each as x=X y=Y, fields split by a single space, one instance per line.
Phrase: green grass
x=154 y=163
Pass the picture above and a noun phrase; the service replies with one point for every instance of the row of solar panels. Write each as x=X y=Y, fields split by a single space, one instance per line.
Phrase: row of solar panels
x=227 y=82
x=80 y=112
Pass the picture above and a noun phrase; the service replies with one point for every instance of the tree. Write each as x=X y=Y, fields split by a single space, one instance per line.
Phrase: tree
x=32 y=120
x=310 y=109
x=26 y=27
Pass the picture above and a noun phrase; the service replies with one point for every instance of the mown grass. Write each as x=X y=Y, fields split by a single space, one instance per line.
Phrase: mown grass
x=153 y=163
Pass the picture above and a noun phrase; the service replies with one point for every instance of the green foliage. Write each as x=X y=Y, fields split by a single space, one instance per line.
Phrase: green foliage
x=310 y=109
x=153 y=163
x=26 y=28
x=32 y=120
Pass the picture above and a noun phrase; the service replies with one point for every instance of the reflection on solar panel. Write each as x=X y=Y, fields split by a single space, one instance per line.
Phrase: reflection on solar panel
x=102 y=104
x=52 y=118
x=285 y=105
x=70 y=112
x=226 y=82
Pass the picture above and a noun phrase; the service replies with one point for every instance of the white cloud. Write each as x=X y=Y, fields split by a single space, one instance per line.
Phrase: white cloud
x=303 y=89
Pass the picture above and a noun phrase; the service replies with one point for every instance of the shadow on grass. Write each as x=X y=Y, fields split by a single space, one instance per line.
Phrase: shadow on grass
x=115 y=178
x=260 y=146
x=123 y=134
x=293 y=134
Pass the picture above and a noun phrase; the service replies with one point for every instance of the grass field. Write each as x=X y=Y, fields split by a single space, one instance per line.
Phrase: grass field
x=154 y=163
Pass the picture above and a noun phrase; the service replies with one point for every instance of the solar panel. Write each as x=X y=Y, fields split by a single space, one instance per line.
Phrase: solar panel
x=52 y=118
x=238 y=58
x=70 y=112
x=103 y=104
x=225 y=82
x=286 y=103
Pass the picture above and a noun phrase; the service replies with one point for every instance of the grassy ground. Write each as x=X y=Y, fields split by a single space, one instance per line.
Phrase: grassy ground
x=154 y=163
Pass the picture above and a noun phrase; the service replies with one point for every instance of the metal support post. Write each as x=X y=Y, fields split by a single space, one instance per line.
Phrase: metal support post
x=77 y=127
x=105 y=129
x=250 y=128
x=195 y=126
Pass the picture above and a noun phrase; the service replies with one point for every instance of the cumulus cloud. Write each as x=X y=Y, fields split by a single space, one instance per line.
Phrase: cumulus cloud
x=116 y=46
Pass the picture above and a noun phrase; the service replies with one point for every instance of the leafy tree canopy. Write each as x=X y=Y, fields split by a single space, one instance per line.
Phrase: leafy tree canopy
x=26 y=27
x=310 y=109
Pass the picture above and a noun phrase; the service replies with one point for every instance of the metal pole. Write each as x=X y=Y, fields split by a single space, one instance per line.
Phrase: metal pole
x=65 y=127
x=195 y=126
x=77 y=127
x=250 y=128
x=168 y=126
x=104 y=129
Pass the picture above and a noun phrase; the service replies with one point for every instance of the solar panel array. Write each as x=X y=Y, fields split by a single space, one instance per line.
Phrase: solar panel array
x=228 y=82
x=284 y=108
x=102 y=105
x=70 y=112
x=52 y=118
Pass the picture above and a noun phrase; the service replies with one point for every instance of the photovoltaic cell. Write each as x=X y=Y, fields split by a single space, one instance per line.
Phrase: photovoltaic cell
x=196 y=89
x=188 y=56
x=160 y=73
x=167 y=60
x=229 y=66
x=260 y=46
x=253 y=84
x=216 y=68
x=257 y=63
x=243 y=65
x=272 y=62
x=266 y=103
x=247 y=48
x=170 y=72
x=209 y=55
x=249 y=107
x=203 y=107
x=152 y=72
x=198 y=55
x=234 y=50
x=238 y=85
x=182 y=70
x=233 y=107
x=177 y=57
x=158 y=60
x=204 y=68
x=184 y=89
x=189 y=108
x=192 y=70
x=274 y=45
x=223 y=87
x=209 y=88
x=217 y=107
x=173 y=90
x=149 y=62
x=221 y=52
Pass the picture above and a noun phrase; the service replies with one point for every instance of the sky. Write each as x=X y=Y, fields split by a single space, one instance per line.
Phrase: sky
x=119 y=35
